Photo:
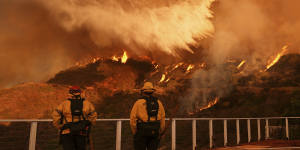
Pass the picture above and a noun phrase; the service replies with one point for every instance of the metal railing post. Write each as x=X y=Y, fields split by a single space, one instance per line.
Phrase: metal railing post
x=34 y=128
x=32 y=139
x=287 y=128
x=237 y=131
x=210 y=133
x=194 y=134
x=267 y=129
x=249 y=130
x=258 y=130
x=118 y=135
x=173 y=134
x=225 y=132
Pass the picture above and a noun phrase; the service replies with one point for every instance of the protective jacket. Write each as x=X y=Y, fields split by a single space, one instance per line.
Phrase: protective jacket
x=62 y=114
x=139 y=113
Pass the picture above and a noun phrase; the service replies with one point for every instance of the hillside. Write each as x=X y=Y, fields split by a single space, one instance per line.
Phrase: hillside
x=111 y=84
x=114 y=86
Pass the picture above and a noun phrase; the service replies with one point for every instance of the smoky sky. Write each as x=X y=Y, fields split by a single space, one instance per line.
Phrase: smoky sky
x=255 y=29
x=39 y=38
x=32 y=46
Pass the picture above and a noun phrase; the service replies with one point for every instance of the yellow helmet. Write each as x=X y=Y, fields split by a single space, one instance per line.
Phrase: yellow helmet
x=148 y=87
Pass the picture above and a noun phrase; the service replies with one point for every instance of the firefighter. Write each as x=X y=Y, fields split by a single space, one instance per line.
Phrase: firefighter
x=74 y=118
x=147 y=119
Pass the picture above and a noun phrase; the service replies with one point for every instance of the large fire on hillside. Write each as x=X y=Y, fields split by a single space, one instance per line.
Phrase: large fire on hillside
x=198 y=50
x=122 y=76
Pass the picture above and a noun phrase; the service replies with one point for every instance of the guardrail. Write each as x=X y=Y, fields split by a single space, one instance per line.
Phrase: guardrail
x=34 y=123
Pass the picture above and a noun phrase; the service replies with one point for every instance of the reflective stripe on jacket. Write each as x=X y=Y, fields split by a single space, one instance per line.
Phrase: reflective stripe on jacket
x=139 y=112
x=64 y=109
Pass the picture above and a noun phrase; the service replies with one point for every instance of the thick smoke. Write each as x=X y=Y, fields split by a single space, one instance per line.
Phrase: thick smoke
x=251 y=30
x=138 y=24
x=33 y=47
x=40 y=37
x=255 y=29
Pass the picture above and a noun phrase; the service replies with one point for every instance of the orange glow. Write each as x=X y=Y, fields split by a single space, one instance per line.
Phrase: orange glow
x=189 y=68
x=167 y=80
x=283 y=50
x=114 y=58
x=95 y=59
x=163 y=77
x=241 y=64
x=156 y=66
x=210 y=104
x=84 y=62
x=179 y=64
x=202 y=65
x=124 y=57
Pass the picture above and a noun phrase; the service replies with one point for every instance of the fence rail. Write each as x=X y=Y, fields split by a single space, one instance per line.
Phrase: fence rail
x=34 y=123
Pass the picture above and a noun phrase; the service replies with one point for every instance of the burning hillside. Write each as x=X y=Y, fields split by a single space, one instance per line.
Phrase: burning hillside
x=197 y=53
x=114 y=82
x=107 y=81
x=209 y=58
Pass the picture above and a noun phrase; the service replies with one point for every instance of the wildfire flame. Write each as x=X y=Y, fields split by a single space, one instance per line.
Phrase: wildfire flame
x=167 y=80
x=189 y=68
x=283 y=50
x=114 y=58
x=210 y=104
x=156 y=66
x=86 y=61
x=177 y=65
x=163 y=77
x=124 y=57
x=241 y=64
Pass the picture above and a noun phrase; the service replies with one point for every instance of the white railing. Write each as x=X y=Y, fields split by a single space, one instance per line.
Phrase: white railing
x=34 y=122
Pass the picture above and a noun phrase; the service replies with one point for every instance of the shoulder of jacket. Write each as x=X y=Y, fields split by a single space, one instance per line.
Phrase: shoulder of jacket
x=159 y=102
x=87 y=102
x=140 y=101
x=65 y=102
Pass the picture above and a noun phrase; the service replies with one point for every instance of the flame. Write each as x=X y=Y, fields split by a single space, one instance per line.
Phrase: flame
x=114 y=58
x=283 y=50
x=156 y=66
x=167 y=80
x=210 y=104
x=177 y=65
x=202 y=65
x=163 y=77
x=124 y=57
x=87 y=61
x=189 y=68
x=241 y=64
x=95 y=59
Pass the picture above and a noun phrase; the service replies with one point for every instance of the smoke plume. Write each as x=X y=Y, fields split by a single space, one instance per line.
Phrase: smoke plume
x=250 y=30
x=255 y=29
x=134 y=23
x=39 y=37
